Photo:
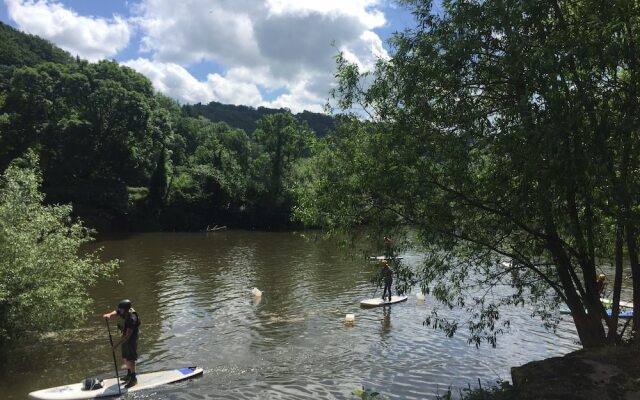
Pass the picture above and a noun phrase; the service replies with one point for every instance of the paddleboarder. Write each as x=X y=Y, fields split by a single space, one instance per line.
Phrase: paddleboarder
x=387 y=275
x=129 y=339
x=601 y=284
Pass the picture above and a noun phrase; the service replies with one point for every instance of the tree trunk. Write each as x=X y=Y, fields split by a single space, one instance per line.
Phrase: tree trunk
x=612 y=336
x=588 y=324
x=635 y=272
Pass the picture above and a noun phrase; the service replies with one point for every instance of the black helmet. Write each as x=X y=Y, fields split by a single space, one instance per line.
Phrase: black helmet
x=125 y=305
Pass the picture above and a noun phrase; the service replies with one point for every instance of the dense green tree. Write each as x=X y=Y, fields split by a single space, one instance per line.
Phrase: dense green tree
x=90 y=122
x=208 y=179
x=158 y=183
x=160 y=141
x=278 y=144
x=21 y=49
x=128 y=158
x=506 y=134
x=44 y=276
x=18 y=49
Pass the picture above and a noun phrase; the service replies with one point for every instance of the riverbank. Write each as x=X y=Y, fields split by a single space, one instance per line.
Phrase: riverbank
x=594 y=374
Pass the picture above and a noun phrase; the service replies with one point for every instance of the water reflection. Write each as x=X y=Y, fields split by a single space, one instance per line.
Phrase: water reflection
x=386 y=322
x=193 y=295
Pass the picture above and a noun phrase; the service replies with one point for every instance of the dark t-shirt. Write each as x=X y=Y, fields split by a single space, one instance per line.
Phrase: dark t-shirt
x=387 y=273
x=132 y=322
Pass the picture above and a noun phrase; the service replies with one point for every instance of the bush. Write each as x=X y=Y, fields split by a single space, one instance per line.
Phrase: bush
x=43 y=276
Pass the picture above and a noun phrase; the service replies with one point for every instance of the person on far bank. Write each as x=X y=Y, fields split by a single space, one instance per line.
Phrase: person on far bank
x=601 y=284
x=387 y=275
x=129 y=339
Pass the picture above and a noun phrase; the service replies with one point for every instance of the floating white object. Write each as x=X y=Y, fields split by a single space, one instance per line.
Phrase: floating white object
x=349 y=319
x=256 y=292
x=420 y=296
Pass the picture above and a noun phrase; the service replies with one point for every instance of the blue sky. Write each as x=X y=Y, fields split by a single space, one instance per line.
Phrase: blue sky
x=273 y=53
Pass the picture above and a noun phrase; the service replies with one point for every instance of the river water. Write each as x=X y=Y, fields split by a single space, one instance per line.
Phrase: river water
x=192 y=291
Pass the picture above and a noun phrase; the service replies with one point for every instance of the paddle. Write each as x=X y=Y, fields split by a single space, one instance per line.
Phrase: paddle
x=113 y=352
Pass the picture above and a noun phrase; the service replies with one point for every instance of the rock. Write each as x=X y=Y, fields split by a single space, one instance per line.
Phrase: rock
x=589 y=374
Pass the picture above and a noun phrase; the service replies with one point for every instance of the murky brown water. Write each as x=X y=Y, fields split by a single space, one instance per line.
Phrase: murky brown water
x=193 y=295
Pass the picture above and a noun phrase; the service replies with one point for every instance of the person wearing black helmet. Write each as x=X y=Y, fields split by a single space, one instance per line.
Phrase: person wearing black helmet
x=129 y=339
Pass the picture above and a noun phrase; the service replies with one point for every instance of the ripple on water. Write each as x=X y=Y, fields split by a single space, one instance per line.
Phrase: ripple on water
x=193 y=293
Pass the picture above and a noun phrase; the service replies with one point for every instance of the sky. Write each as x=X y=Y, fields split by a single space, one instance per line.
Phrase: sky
x=271 y=53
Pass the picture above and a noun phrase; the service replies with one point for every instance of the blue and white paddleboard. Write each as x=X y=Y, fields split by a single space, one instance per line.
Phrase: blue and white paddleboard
x=379 y=302
x=110 y=386
x=624 y=314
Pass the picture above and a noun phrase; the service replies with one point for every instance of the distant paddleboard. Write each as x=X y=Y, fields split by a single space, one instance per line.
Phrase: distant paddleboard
x=623 y=304
x=626 y=308
x=624 y=314
x=379 y=302
x=110 y=386
x=381 y=258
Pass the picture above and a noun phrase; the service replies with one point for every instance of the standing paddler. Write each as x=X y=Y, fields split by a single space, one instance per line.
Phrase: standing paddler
x=387 y=275
x=129 y=339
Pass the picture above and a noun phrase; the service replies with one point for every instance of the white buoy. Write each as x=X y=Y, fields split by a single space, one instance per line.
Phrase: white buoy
x=349 y=319
x=420 y=296
x=256 y=292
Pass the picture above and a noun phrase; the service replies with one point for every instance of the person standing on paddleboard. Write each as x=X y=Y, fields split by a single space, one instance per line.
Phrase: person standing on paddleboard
x=601 y=284
x=129 y=339
x=387 y=275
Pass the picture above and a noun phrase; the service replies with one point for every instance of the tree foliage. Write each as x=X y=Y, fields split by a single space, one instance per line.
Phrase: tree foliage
x=44 y=274
x=506 y=134
x=18 y=49
x=279 y=143
x=128 y=158
x=90 y=122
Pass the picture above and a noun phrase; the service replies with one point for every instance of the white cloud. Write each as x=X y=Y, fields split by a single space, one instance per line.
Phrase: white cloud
x=277 y=44
x=192 y=30
x=363 y=10
x=89 y=37
x=262 y=46
x=235 y=87
x=299 y=98
x=175 y=81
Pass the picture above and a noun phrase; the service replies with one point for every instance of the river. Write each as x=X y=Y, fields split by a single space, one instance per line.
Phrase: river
x=192 y=291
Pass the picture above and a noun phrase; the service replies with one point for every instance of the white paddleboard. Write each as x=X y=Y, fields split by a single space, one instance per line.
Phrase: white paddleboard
x=379 y=302
x=381 y=258
x=110 y=386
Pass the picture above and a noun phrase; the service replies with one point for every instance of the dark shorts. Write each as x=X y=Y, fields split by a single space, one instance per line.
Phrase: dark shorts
x=130 y=350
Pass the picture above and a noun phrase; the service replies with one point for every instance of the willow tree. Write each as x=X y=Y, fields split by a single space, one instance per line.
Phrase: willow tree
x=505 y=133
